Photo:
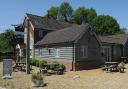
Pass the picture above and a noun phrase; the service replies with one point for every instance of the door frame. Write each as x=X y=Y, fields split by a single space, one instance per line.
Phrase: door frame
x=108 y=52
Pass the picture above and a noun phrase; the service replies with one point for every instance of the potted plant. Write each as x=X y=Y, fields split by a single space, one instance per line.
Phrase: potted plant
x=37 y=80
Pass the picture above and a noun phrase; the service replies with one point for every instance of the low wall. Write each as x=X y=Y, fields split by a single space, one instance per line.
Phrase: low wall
x=88 y=64
x=79 y=65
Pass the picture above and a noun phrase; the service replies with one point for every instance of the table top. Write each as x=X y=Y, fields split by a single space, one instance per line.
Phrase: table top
x=123 y=57
x=20 y=62
x=111 y=62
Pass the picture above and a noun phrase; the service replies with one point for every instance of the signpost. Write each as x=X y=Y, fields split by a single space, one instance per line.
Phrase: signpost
x=7 y=68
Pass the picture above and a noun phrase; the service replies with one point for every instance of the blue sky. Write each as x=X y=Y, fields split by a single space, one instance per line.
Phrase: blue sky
x=13 y=11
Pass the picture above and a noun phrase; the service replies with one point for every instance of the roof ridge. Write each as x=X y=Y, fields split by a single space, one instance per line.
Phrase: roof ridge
x=33 y=15
x=65 y=28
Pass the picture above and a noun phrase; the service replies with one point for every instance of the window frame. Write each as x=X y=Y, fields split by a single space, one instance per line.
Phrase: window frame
x=84 y=51
x=56 y=52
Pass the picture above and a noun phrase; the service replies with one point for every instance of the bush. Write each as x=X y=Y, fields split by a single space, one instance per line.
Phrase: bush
x=42 y=63
x=23 y=60
x=56 y=65
x=62 y=66
x=33 y=62
x=37 y=63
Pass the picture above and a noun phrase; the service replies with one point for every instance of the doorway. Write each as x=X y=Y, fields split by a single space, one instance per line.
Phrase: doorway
x=106 y=53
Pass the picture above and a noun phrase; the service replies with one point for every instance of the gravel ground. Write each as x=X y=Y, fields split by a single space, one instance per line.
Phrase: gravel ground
x=87 y=79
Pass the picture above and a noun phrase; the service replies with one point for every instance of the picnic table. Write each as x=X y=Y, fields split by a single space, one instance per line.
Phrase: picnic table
x=111 y=66
x=124 y=59
x=19 y=65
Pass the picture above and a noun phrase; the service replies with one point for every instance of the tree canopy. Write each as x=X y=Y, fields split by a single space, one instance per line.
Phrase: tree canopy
x=102 y=24
x=53 y=12
x=80 y=15
x=105 y=25
x=84 y=15
x=7 y=41
x=65 y=12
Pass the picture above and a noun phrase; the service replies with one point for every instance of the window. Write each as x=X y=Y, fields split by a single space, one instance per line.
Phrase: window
x=50 y=51
x=84 y=51
x=56 y=52
x=40 y=33
x=40 y=52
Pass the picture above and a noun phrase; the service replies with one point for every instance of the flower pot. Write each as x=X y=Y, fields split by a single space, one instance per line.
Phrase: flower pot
x=37 y=83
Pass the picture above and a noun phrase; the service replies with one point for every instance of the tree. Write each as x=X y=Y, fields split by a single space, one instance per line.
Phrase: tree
x=53 y=12
x=123 y=30
x=7 y=42
x=91 y=14
x=80 y=15
x=105 y=25
x=84 y=15
x=65 y=12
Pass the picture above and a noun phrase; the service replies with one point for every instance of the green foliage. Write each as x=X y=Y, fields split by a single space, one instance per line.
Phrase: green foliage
x=65 y=11
x=80 y=15
x=23 y=60
x=7 y=41
x=53 y=12
x=84 y=15
x=91 y=14
x=42 y=63
x=105 y=25
x=62 y=66
x=33 y=62
x=37 y=63
x=56 y=65
x=123 y=30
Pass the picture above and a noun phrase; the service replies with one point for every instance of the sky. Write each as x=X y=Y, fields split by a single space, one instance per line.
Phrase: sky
x=13 y=11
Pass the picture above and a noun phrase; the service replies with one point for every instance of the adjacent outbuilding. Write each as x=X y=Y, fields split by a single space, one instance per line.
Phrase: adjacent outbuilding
x=77 y=47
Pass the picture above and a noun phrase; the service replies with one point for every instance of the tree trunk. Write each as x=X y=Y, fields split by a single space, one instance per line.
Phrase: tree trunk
x=65 y=18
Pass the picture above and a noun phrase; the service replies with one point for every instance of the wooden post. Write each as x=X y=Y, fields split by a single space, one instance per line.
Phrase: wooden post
x=28 y=50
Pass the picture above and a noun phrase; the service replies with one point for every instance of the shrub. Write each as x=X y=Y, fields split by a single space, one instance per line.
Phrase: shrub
x=37 y=63
x=23 y=60
x=42 y=63
x=33 y=62
x=56 y=65
x=62 y=66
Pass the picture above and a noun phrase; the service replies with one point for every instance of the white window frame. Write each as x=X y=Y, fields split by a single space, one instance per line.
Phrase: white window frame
x=50 y=51
x=57 y=52
x=40 y=52
x=84 y=51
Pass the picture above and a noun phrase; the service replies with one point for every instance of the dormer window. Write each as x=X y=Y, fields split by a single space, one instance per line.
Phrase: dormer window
x=40 y=33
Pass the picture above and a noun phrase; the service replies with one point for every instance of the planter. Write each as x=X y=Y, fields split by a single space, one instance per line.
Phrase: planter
x=37 y=83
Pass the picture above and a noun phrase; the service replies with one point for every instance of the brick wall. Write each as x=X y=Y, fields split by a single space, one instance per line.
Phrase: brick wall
x=79 y=65
x=86 y=65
